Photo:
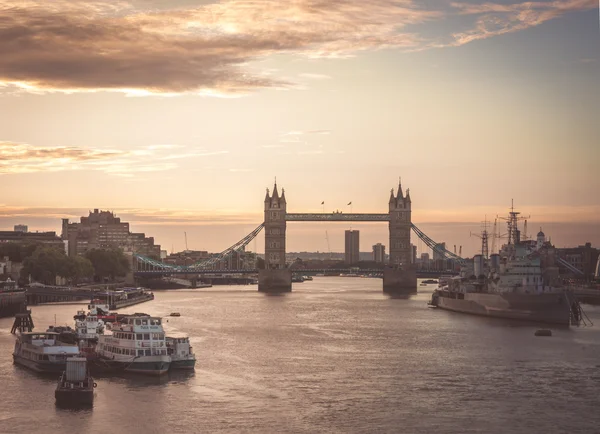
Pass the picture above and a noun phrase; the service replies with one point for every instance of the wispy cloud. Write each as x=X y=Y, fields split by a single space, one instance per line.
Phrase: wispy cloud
x=24 y=158
x=312 y=76
x=496 y=19
x=137 y=215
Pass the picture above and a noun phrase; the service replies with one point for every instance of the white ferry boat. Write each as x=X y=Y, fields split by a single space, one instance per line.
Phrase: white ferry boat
x=43 y=352
x=180 y=350
x=136 y=344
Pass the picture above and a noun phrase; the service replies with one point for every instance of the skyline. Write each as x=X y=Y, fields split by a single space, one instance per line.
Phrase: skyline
x=189 y=109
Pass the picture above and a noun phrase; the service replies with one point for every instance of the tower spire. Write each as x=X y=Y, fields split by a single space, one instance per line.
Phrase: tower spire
x=400 y=194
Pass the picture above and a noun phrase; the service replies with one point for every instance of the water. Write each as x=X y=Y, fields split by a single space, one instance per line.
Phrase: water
x=335 y=356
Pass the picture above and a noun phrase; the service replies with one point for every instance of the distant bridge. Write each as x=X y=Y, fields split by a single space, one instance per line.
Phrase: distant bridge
x=311 y=271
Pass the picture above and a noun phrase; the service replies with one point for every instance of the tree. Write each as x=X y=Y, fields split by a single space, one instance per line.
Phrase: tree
x=17 y=252
x=108 y=264
x=76 y=268
x=44 y=264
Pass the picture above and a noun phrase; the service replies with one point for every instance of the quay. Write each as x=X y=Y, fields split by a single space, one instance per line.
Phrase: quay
x=587 y=295
x=116 y=298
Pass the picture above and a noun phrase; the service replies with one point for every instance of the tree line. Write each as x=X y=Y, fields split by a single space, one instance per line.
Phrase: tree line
x=44 y=264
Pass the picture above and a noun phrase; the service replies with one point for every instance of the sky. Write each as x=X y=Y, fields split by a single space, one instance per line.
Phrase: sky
x=178 y=114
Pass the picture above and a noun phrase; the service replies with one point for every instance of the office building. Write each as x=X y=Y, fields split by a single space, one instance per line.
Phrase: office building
x=21 y=228
x=379 y=253
x=102 y=230
x=351 y=251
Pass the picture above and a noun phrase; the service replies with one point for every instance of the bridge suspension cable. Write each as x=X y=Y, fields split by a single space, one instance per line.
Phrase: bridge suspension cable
x=155 y=265
x=569 y=266
x=436 y=247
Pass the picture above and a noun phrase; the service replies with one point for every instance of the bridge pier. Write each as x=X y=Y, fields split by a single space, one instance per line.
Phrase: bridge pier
x=399 y=281
x=275 y=280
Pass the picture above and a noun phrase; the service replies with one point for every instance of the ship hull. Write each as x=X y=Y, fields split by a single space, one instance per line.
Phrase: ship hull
x=149 y=365
x=542 y=308
x=41 y=367
x=189 y=364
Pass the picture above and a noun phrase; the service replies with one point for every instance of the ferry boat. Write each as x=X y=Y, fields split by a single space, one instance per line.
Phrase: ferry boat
x=135 y=344
x=43 y=352
x=180 y=350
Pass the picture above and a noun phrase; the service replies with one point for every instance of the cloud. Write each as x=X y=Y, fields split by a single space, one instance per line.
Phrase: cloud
x=18 y=158
x=66 y=45
x=497 y=19
x=168 y=48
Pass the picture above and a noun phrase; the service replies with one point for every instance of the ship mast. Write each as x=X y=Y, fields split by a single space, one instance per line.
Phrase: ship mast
x=512 y=222
x=484 y=238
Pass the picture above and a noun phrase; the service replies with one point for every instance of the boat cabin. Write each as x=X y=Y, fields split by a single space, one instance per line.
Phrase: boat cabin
x=39 y=339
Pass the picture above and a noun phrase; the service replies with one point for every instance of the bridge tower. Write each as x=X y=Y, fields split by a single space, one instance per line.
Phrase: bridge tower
x=401 y=275
x=275 y=277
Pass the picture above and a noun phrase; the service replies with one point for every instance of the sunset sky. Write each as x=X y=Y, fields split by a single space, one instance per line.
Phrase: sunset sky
x=178 y=114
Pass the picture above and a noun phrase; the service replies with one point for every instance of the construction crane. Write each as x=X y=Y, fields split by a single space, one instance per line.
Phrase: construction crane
x=328 y=247
x=459 y=250
x=524 y=231
x=186 y=246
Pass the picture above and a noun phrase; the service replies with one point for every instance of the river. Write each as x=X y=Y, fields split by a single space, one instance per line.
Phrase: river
x=336 y=356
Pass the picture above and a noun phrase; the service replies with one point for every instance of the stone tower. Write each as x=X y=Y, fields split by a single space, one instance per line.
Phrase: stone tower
x=275 y=210
x=400 y=227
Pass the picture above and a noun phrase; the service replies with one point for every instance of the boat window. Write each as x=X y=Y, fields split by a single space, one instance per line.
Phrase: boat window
x=139 y=336
x=140 y=353
x=144 y=322
x=147 y=336
x=138 y=322
x=147 y=352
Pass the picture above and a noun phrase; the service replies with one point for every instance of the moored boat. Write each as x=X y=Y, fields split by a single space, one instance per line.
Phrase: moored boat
x=75 y=385
x=42 y=352
x=135 y=344
x=511 y=284
x=180 y=350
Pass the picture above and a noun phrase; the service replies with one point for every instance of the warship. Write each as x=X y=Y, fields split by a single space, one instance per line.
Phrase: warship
x=516 y=283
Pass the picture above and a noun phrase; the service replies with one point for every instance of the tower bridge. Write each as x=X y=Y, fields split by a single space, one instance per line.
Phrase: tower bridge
x=276 y=277
x=398 y=276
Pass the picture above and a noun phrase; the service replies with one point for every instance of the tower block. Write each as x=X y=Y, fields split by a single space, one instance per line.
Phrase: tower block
x=400 y=276
x=275 y=277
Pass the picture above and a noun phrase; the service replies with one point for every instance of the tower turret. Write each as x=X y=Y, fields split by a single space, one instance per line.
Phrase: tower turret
x=400 y=226
x=275 y=225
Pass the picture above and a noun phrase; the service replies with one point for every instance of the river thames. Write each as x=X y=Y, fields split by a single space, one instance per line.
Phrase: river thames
x=336 y=356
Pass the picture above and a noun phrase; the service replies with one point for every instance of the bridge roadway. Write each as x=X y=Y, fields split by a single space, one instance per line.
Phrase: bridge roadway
x=157 y=273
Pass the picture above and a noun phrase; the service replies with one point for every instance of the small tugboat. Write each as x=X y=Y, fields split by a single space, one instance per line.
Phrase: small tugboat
x=75 y=386
x=180 y=350
x=43 y=352
x=136 y=344
x=88 y=328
